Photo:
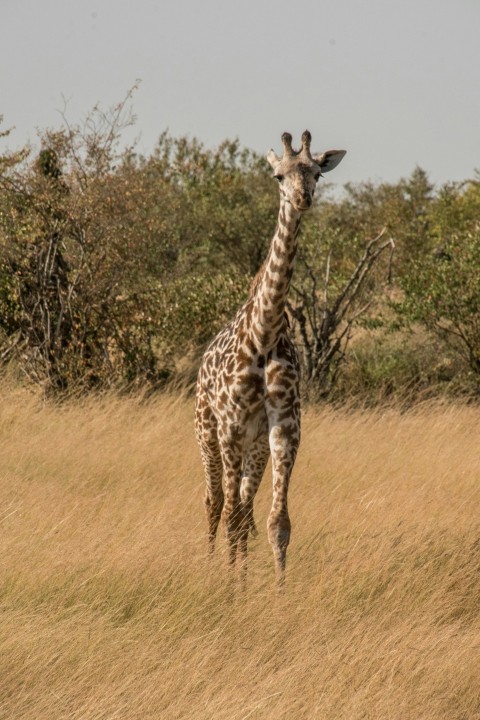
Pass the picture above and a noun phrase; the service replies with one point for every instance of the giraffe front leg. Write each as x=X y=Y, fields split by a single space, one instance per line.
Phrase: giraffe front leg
x=284 y=441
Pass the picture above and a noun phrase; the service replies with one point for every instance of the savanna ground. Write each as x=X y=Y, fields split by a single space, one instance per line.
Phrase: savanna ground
x=110 y=610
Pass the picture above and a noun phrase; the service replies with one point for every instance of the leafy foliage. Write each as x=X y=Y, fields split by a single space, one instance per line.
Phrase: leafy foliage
x=113 y=265
x=116 y=269
x=443 y=293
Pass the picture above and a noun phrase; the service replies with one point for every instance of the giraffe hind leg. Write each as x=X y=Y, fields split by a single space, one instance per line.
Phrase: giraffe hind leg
x=253 y=470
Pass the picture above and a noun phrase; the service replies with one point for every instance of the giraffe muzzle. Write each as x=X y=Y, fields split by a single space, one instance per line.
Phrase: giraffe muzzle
x=303 y=202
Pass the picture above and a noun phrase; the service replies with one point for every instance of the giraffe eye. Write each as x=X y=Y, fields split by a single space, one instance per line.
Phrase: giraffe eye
x=279 y=177
x=317 y=176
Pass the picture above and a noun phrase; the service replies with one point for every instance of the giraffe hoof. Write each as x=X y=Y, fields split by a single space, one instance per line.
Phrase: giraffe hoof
x=252 y=527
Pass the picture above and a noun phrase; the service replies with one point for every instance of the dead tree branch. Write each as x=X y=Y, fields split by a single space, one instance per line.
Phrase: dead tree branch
x=323 y=324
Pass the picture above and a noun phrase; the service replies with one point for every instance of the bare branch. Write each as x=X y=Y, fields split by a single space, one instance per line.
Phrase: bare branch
x=325 y=327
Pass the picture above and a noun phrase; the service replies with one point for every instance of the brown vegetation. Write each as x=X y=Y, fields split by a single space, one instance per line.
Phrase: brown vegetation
x=109 y=609
x=116 y=269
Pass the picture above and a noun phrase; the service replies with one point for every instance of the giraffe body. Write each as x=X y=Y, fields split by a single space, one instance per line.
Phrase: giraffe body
x=248 y=404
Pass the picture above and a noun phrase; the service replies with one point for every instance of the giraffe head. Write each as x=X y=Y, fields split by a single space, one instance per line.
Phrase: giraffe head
x=297 y=171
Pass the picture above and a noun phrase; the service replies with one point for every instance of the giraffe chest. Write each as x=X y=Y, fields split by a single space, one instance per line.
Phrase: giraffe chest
x=240 y=381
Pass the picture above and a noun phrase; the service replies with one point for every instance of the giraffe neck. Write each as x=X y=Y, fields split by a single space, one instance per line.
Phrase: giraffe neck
x=273 y=282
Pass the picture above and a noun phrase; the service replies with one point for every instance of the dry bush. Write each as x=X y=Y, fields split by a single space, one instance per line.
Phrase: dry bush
x=109 y=609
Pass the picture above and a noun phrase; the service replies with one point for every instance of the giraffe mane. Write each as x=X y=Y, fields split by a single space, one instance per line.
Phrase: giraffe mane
x=256 y=281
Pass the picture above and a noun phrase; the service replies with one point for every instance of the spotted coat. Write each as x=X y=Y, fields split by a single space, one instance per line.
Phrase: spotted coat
x=247 y=402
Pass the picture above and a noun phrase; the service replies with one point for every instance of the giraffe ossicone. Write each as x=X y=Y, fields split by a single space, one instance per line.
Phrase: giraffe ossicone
x=247 y=401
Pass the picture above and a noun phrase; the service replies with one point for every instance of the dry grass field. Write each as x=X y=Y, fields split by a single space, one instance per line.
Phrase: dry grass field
x=109 y=609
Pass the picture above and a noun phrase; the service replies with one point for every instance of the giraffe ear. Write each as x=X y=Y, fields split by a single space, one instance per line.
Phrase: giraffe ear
x=273 y=158
x=329 y=159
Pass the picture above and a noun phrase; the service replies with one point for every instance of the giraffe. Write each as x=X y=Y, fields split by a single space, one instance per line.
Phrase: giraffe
x=247 y=399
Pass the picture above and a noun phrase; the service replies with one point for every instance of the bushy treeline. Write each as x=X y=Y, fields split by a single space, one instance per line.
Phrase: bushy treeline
x=116 y=269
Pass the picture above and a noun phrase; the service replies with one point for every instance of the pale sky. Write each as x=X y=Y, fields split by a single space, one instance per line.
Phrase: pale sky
x=394 y=82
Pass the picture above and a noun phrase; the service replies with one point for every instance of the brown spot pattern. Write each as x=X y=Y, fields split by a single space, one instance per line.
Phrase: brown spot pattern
x=247 y=401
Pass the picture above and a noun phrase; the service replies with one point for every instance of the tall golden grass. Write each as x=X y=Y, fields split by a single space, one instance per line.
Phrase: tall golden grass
x=110 y=610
